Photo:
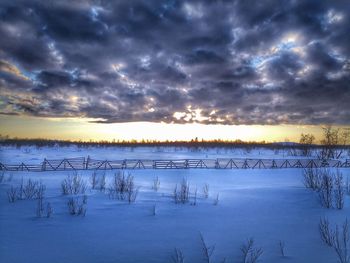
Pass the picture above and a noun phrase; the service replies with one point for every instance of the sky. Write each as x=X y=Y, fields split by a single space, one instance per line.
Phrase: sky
x=251 y=70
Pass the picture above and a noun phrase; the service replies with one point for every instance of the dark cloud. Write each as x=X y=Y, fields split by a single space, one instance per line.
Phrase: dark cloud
x=231 y=62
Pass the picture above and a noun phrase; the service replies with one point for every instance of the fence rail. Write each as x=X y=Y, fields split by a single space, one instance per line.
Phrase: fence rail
x=83 y=163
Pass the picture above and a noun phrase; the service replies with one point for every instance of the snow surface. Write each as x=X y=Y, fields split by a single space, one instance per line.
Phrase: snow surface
x=268 y=205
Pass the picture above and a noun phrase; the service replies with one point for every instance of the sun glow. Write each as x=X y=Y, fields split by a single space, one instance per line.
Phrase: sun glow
x=87 y=129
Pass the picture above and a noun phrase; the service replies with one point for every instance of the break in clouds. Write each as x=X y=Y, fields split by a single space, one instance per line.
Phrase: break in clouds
x=229 y=62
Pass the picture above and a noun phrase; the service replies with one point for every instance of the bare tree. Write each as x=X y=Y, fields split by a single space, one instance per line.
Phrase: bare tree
x=306 y=141
x=332 y=140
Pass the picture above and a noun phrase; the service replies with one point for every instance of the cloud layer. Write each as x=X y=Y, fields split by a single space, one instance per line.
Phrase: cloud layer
x=228 y=62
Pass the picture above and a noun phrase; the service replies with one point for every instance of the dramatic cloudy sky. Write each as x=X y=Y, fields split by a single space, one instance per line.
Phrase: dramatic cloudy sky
x=212 y=62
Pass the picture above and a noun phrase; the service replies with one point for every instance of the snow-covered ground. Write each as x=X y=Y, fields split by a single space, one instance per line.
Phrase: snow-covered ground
x=268 y=205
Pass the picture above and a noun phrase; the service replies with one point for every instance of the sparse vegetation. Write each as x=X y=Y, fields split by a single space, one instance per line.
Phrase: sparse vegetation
x=306 y=141
x=339 y=190
x=216 y=200
x=156 y=184
x=77 y=205
x=338 y=238
x=194 y=202
x=154 y=210
x=178 y=256
x=207 y=250
x=330 y=186
x=12 y=194
x=182 y=193
x=326 y=190
x=312 y=178
x=123 y=188
x=98 y=182
x=2 y=176
x=206 y=190
x=281 y=246
x=73 y=185
x=250 y=254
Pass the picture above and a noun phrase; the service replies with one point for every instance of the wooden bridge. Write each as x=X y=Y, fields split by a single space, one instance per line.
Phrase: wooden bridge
x=83 y=163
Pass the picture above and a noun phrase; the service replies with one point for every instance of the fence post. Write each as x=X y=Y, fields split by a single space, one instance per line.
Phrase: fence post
x=43 y=168
x=87 y=162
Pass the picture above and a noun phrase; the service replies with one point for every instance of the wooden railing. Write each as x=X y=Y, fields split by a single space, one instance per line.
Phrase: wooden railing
x=83 y=163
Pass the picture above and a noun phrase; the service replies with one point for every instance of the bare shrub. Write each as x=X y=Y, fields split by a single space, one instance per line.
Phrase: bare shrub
x=73 y=185
x=339 y=191
x=216 y=200
x=154 y=211
x=178 y=256
x=49 y=210
x=30 y=189
x=206 y=190
x=9 y=179
x=123 y=188
x=40 y=207
x=250 y=254
x=338 y=239
x=132 y=194
x=194 y=202
x=98 y=182
x=281 y=246
x=77 y=206
x=341 y=242
x=94 y=180
x=182 y=194
x=326 y=232
x=207 y=250
x=102 y=183
x=326 y=191
x=312 y=178
x=12 y=194
x=156 y=184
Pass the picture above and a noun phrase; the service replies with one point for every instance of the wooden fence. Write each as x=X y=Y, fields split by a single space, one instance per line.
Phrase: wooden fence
x=83 y=163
